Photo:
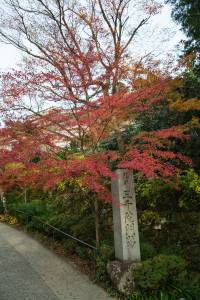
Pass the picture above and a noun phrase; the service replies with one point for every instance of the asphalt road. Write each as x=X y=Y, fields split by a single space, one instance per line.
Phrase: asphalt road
x=28 y=271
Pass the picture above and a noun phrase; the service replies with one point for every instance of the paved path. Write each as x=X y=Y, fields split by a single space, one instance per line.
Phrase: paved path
x=28 y=271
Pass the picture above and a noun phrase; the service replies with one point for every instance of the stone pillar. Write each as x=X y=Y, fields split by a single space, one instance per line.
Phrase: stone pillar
x=126 y=236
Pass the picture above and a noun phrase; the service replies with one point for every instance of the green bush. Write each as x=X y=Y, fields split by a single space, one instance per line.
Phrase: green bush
x=84 y=229
x=82 y=251
x=103 y=255
x=161 y=196
x=32 y=214
x=101 y=263
x=70 y=245
x=175 y=293
x=160 y=272
x=63 y=221
x=181 y=236
x=106 y=251
x=147 y=250
x=192 y=254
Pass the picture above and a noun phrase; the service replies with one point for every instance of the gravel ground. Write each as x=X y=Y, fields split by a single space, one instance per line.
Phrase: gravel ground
x=28 y=271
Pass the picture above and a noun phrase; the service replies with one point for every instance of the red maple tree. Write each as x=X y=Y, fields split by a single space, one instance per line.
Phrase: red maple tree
x=78 y=59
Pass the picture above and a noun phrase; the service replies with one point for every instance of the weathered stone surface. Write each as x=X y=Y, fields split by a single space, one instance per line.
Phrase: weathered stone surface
x=121 y=275
x=125 y=223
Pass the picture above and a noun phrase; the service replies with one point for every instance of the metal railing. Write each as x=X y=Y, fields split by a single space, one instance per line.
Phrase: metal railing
x=58 y=230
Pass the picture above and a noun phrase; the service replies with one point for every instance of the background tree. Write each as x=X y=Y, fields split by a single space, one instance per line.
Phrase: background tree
x=186 y=86
x=187 y=14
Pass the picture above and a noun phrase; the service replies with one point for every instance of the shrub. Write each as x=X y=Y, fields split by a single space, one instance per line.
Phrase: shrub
x=70 y=245
x=147 y=250
x=190 y=191
x=101 y=263
x=82 y=251
x=103 y=255
x=31 y=214
x=106 y=251
x=84 y=229
x=171 y=294
x=63 y=221
x=160 y=272
x=8 y=219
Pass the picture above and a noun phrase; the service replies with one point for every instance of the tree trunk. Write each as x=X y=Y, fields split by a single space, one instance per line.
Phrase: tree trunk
x=120 y=142
x=3 y=199
x=97 y=223
x=25 y=195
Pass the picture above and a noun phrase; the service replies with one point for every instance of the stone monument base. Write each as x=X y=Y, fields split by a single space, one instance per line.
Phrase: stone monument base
x=121 y=275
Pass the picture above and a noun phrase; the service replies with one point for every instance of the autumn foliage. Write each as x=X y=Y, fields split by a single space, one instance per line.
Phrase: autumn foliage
x=94 y=88
x=36 y=151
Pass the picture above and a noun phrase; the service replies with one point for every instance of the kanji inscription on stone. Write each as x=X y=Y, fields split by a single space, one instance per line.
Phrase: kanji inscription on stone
x=126 y=236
